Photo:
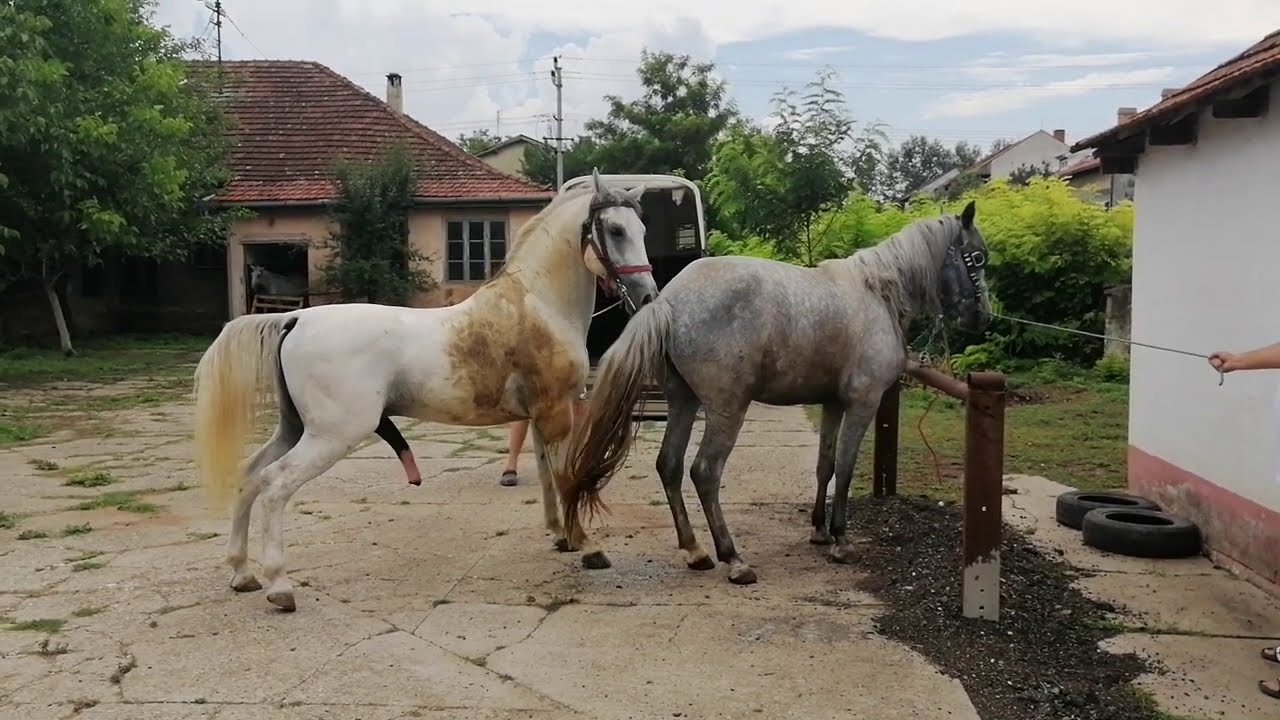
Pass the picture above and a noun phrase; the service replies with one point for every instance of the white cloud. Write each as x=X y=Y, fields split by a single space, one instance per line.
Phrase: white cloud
x=462 y=59
x=810 y=54
x=998 y=68
x=998 y=100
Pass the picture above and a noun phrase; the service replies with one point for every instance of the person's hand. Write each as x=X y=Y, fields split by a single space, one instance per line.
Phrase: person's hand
x=1224 y=362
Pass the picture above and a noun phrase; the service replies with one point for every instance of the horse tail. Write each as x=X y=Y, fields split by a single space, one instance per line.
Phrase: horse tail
x=600 y=450
x=231 y=382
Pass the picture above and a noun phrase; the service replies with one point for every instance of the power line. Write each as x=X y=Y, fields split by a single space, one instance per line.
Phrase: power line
x=224 y=14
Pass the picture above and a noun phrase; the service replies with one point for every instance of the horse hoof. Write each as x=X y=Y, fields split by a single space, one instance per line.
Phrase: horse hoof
x=282 y=600
x=416 y=483
x=841 y=553
x=820 y=537
x=702 y=563
x=742 y=575
x=596 y=561
x=562 y=544
x=246 y=584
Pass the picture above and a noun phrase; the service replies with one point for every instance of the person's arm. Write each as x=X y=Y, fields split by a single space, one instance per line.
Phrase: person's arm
x=1263 y=358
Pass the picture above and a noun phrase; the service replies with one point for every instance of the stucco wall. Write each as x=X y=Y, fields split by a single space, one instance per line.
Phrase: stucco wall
x=1039 y=148
x=311 y=228
x=509 y=159
x=1205 y=252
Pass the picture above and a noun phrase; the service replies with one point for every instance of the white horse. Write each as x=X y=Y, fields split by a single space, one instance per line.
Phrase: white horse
x=515 y=349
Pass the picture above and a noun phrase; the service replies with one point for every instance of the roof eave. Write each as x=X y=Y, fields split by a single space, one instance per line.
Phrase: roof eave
x=538 y=199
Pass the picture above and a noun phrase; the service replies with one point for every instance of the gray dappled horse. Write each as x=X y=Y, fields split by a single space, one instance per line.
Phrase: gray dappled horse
x=265 y=282
x=731 y=330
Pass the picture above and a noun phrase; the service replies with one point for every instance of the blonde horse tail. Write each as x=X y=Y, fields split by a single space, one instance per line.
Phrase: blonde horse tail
x=600 y=450
x=232 y=381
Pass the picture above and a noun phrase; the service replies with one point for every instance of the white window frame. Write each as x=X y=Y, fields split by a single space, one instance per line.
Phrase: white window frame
x=487 y=221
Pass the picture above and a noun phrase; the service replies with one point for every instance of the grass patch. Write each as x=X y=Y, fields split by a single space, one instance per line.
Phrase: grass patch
x=43 y=465
x=13 y=432
x=86 y=555
x=8 y=521
x=32 y=535
x=77 y=529
x=44 y=625
x=107 y=359
x=91 y=479
x=87 y=565
x=127 y=501
x=85 y=612
x=202 y=535
x=1071 y=431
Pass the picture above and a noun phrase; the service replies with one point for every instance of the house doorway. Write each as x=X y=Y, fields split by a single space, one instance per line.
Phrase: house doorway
x=276 y=276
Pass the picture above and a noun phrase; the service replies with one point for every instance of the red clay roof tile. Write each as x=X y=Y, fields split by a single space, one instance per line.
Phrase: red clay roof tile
x=1261 y=58
x=293 y=119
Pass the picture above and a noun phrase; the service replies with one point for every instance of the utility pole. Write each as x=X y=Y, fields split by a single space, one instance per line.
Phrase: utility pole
x=217 y=23
x=558 y=79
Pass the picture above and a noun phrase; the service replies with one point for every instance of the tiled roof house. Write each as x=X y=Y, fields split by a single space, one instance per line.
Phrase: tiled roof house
x=293 y=120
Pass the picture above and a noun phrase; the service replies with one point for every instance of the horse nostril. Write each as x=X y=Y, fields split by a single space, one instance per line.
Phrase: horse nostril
x=646 y=300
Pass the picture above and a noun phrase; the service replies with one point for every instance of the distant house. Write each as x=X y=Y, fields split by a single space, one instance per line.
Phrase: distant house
x=508 y=155
x=1039 y=149
x=1204 y=251
x=293 y=120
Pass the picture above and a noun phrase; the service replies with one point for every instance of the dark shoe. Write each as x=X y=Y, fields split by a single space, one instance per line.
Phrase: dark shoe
x=508 y=479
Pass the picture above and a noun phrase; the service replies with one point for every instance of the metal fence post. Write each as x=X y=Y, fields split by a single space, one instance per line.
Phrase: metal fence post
x=884 y=479
x=983 y=494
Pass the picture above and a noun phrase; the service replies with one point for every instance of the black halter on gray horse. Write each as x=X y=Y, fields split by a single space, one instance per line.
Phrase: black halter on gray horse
x=728 y=331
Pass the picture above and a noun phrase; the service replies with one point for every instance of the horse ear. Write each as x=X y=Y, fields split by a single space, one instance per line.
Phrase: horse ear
x=635 y=193
x=595 y=181
x=966 y=216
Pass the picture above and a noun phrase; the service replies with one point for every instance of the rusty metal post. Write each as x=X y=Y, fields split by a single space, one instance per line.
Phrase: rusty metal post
x=885 y=472
x=983 y=493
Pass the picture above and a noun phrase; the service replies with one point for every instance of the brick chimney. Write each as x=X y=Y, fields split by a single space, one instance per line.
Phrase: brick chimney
x=1169 y=91
x=395 y=92
x=1060 y=135
x=1125 y=113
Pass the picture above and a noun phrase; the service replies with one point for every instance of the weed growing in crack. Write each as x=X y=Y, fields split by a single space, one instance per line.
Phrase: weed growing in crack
x=32 y=535
x=91 y=479
x=80 y=529
x=44 y=625
x=123 y=669
x=43 y=465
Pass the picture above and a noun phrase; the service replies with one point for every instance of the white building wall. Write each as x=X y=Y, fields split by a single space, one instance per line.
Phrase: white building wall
x=1039 y=148
x=1207 y=277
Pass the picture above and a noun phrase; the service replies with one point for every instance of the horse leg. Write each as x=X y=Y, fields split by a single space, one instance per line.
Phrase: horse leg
x=311 y=456
x=550 y=501
x=682 y=411
x=857 y=418
x=718 y=439
x=831 y=417
x=242 y=579
x=390 y=434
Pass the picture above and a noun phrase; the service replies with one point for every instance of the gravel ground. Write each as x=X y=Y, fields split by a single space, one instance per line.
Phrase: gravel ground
x=1041 y=662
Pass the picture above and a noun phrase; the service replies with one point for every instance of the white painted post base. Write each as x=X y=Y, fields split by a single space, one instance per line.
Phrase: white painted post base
x=981 y=589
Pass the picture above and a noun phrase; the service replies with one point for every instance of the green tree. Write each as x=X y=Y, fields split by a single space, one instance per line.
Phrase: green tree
x=1022 y=174
x=371 y=257
x=776 y=184
x=105 y=143
x=671 y=127
x=478 y=141
x=539 y=161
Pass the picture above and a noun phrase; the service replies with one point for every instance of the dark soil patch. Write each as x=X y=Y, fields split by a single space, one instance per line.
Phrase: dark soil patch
x=1040 y=662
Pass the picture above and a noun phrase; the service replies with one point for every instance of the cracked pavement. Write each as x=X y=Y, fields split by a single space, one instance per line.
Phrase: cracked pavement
x=440 y=601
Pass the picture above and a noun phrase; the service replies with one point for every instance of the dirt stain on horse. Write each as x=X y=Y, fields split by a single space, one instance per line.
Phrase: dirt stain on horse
x=503 y=336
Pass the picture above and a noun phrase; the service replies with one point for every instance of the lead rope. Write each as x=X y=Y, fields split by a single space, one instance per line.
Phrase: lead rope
x=1221 y=375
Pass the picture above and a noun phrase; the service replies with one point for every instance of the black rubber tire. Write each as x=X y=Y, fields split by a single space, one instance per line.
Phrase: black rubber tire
x=1140 y=533
x=1072 y=506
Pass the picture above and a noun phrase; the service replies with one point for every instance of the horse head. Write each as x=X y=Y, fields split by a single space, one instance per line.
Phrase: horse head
x=257 y=282
x=613 y=245
x=963 y=277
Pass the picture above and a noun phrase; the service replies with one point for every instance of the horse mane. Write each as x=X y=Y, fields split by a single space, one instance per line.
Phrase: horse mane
x=536 y=225
x=903 y=270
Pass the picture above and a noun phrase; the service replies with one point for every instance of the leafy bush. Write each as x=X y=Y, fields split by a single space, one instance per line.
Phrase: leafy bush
x=372 y=258
x=1112 y=367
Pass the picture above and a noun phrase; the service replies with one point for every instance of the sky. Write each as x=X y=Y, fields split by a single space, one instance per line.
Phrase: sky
x=973 y=70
